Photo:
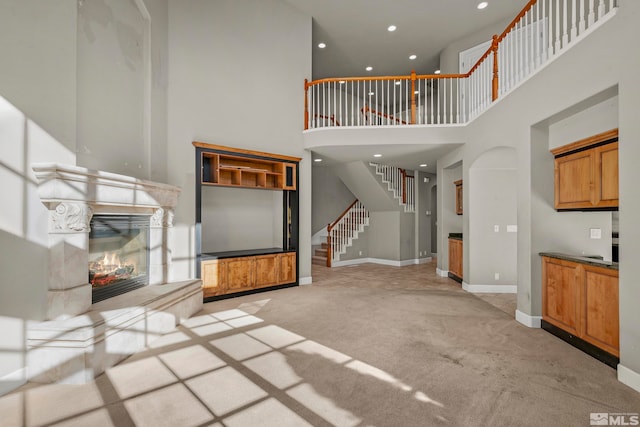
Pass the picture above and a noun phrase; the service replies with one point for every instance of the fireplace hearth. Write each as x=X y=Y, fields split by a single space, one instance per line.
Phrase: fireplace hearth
x=118 y=254
x=106 y=233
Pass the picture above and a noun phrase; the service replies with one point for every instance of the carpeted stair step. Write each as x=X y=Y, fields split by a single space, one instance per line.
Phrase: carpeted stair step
x=321 y=253
x=318 y=260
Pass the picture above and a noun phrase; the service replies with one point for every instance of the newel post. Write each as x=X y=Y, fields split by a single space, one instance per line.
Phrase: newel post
x=404 y=185
x=306 y=104
x=329 y=250
x=494 y=83
x=413 y=97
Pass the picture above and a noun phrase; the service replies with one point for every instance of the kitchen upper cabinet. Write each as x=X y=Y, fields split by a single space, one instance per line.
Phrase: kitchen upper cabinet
x=586 y=173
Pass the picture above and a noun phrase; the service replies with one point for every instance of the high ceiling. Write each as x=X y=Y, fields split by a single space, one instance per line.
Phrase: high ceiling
x=355 y=32
x=356 y=36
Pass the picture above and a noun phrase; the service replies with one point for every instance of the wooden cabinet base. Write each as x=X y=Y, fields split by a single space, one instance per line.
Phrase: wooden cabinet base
x=241 y=275
x=580 y=305
x=592 y=350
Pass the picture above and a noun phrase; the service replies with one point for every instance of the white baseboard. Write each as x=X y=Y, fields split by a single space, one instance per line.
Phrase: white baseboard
x=442 y=273
x=528 y=321
x=381 y=261
x=629 y=377
x=305 y=280
x=490 y=289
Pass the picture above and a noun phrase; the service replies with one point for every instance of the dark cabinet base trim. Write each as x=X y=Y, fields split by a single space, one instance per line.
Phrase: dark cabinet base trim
x=248 y=292
x=454 y=277
x=593 y=351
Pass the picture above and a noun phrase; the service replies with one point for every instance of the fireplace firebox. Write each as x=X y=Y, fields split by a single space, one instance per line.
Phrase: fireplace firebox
x=118 y=254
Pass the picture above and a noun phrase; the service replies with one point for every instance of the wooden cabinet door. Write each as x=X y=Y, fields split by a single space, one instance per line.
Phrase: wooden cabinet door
x=214 y=277
x=606 y=158
x=287 y=268
x=455 y=257
x=575 y=181
x=560 y=294
x=600 y=323
x=266 y=270
x=240 y=273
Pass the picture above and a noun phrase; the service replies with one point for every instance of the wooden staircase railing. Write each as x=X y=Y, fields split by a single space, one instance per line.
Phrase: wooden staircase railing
x=342 y=229
x=541 y=30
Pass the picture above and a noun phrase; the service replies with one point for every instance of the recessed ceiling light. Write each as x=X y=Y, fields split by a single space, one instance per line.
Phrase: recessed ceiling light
x=369 y=68
x=482 y=5
x=377 y=155
x=317 y=160
x=417 y=92
x=436 y=72
x=371 y=93
x=342 y=82
x=391 y=28
x=424 y=165
x=412 y=57
x=398 y=82
x=322 y=45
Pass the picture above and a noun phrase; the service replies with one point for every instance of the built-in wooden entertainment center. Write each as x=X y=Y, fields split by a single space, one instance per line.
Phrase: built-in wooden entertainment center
x=241 y=271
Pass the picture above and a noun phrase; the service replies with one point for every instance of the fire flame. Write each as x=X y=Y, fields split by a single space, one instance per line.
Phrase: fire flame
x=110 y=268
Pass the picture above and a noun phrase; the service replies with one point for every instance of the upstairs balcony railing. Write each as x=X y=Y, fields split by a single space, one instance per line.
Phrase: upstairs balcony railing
x=541 y=31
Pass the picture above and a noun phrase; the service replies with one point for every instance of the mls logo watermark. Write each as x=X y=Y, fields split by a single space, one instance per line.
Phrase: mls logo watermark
x=614 y=419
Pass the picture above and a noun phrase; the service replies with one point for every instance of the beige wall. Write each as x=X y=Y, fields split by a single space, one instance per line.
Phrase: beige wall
x=226 y=88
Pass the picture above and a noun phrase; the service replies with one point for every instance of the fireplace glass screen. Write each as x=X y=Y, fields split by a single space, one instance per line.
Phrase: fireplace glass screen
x=118 y=254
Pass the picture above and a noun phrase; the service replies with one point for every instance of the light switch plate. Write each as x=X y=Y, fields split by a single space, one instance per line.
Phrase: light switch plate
x=595 y=233
x=512 y=228
x=496 y=228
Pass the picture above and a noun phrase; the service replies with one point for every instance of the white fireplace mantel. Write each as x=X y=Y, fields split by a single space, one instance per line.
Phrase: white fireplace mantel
x=73 y=195
x=59 y=349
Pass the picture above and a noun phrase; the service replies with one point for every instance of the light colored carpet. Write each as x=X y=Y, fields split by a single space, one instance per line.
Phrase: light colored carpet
x=366 y=345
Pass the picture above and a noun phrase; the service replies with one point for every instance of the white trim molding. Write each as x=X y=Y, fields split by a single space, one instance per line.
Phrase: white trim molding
x=305 y=280
x=381 y=261
x=629 y=377
x=527 y=320
x=490 y=289
x=442 y=273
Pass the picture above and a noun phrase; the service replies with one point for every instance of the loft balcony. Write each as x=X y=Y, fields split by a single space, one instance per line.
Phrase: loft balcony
x=537 y=35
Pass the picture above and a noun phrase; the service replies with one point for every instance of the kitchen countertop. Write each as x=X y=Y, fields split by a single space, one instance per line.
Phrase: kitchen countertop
x=582 y=259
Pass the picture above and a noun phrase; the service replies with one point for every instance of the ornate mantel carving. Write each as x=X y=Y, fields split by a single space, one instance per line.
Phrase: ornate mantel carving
x=162 y=217
x=70 y=217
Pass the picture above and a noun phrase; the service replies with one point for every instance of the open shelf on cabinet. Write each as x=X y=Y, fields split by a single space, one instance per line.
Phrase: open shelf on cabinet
x=238 y=171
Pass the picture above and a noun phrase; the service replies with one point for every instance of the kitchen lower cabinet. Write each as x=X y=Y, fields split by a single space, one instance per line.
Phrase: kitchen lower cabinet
x=582 y=300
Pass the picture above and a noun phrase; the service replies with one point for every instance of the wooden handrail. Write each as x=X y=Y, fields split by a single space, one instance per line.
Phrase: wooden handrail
x=330 y=227
x=333 y=224
x=331 y=117
x=382 y=78
x=404 y=186
x=518 y=17
x=497 y=39
x=366 y=109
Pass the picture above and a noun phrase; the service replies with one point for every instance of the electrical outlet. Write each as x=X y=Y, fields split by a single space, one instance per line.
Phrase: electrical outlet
x=595 y=233
x=496 y=228
x=496 y=276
